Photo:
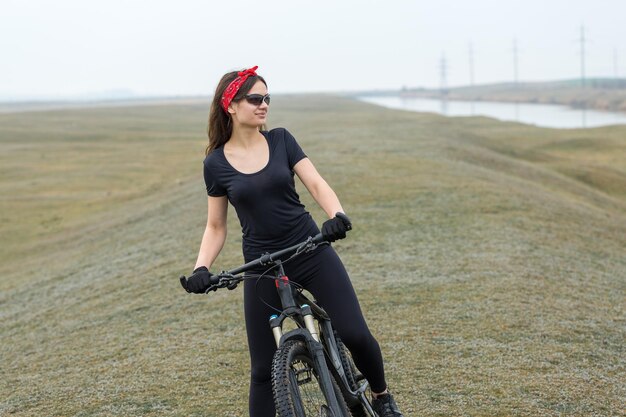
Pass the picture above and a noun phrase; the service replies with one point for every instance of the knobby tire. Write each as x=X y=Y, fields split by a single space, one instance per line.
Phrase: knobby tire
x=297 y=391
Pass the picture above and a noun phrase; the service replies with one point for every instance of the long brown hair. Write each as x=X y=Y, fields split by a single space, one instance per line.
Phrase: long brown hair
x=220 y=126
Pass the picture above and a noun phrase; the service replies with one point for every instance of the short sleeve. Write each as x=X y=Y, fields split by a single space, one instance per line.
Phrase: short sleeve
x=294 y=151
x=213 y=189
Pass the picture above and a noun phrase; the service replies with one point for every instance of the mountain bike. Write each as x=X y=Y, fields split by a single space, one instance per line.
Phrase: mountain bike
x=312 y=371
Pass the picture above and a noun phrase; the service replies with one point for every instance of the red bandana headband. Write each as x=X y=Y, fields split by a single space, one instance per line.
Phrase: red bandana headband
x=235 y=85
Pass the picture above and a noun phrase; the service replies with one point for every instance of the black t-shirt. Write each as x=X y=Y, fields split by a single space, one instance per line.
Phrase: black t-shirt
x=267 y=204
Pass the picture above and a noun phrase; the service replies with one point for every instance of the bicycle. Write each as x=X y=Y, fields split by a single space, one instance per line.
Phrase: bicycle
x=312 y=371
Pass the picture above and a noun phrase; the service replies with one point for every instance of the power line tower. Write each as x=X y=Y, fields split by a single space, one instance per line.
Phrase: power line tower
x=471 y=63
x=443 y=75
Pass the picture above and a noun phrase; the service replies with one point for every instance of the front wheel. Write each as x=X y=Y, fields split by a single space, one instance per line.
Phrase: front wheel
x=296 y=385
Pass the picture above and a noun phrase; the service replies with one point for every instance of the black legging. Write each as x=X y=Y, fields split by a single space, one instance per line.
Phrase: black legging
x=322 y=273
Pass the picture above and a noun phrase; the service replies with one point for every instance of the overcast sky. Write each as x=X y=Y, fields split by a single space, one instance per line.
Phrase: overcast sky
x=66 y=48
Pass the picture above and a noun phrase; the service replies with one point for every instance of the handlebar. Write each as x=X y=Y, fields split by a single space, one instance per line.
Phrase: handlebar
x=270 y=258
x=230 y=279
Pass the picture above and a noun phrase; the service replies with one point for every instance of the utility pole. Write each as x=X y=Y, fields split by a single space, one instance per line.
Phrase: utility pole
x=471 y=63
x=443 y=75
x=515 y=63
x=582 y=55
x=471 y=68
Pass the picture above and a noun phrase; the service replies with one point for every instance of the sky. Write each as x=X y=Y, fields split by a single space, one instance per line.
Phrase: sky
x=75 y=48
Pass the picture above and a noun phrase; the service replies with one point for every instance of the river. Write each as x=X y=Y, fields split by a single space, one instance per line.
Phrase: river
x=545 y=115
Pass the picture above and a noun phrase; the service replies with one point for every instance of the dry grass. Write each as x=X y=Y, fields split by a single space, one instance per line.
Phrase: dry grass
x=488 y=257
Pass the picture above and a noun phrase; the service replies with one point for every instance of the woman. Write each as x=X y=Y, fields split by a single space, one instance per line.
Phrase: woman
x=254 y=170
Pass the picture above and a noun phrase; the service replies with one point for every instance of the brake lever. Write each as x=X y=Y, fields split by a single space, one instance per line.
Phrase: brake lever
x=211 y=288
x=308 y=246
x=224 y=281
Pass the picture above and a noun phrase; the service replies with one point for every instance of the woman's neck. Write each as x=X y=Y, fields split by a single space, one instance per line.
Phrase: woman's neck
x=244 y=136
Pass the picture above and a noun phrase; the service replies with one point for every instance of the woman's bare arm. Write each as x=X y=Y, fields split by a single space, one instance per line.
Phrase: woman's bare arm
x=318 y=187
x=214 y=233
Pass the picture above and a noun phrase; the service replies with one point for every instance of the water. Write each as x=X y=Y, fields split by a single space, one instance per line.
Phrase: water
x=546 y=115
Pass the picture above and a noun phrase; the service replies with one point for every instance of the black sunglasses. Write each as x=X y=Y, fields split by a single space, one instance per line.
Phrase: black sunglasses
x=257 y=99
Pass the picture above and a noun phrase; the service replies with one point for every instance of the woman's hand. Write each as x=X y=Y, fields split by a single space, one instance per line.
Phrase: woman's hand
x=336 y=227
x=199 y=282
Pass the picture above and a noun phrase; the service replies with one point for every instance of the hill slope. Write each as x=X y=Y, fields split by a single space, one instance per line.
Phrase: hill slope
x=488 y=258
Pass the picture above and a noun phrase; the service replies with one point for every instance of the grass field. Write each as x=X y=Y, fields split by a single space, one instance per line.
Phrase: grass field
x=489 y=258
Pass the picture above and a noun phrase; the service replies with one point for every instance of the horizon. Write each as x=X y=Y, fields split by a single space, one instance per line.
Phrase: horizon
x=129 y=95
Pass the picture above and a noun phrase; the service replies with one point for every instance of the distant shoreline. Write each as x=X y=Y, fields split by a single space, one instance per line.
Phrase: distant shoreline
x=597 y=94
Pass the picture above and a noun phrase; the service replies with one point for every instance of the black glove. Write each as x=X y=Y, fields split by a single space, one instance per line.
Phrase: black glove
x=199 y=282
x=336 y=227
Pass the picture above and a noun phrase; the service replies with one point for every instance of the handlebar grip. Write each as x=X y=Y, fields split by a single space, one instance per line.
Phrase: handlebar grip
x=183 y=282
x=318 y=238
x=214 y=279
